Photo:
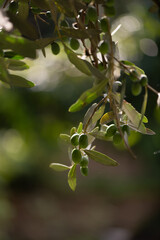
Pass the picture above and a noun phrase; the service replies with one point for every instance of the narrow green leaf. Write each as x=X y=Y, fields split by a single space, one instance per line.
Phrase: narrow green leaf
x=100 y=134
x=97 y=115
x=144 y=105
x=77 y=62
x=80 y=127
x=72 y=177
x=101 y=158
x=17 y=81
x=65 y=137
x=59 y=167
x=88 y=96
x=16 y=64
x=95 y=72
x=128 y=63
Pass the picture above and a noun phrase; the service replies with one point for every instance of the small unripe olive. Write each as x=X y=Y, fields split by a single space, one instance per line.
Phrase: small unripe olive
x=84 y=162
x=117 y=138
x=125 y=128
x=109 y=11
x=92 y=13
x=143 y=80
x=83 y=141
x=74 y=43
x=55 y=48
x=84 y=171
x=104 y=24
x=103 y=47
x=136 y=89
x=134 y=76
x=76 y=155
x=111 y=130
x=74 y=139
x=64 y=23
x=13 y=7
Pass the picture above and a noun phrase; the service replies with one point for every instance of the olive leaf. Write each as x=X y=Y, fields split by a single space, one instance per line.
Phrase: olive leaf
x=59 y=167
x=107 y=117
x=16 y=65
x=101 y=158
x=72 y=181
x=65 y=137
x=16 y=81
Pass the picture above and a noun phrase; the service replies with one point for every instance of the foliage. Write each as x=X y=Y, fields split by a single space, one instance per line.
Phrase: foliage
x=84 y=30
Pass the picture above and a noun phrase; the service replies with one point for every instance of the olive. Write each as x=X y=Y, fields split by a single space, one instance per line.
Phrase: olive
x=125 y=128
x=111 y=130
x=83 y=141
x=103 y=47
x=117 y=138
x=136 y=89
x=74 y=139
x=84 y=171
x=55 y=48
x=84 y=162
x=109 y=11
x=143 y=80
x=13 y=7
x=76 y=155
x=92 y=13
x=104 y=24
x=74 y=43
x=134 y=76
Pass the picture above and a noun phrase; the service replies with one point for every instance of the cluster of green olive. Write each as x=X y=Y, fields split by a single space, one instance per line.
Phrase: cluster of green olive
x=137 y=82
x=80 y=142
x=112 y=131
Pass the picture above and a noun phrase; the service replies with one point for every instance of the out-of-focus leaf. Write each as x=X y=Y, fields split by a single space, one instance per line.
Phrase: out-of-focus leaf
x=101 y=158
x=72 y=177
x=150 y=132
x=19 y=45
x=80 y=127
x=123 y=90
x=107 y=117
x=23 y=9
x=65 y=137
x=17 y=81
x=80 y=33
x=26 y=28
x=77 y=62
x=42 y=4
x=16 y=64
x=43 y=42
x=12 y=55
x=59 y=167
x=88 y=96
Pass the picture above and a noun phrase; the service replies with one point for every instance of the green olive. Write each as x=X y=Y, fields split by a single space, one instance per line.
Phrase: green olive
x=84 y=162
x=74 y=139
x=117 y=138
x=104 y=24
x=92 y=13
x=74 y=43
x=134 y=76
x=55 y=48
x=125 y=128
x=83 y=141
x=111 y=130
x=76 y=155
x=103 y=47
x=143 y=80
x=13 y=7
x=136 y=89
x=84 y=171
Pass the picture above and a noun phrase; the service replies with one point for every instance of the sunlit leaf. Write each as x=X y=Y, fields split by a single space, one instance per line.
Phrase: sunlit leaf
x=16 y=64
x=59 y=167
x=80 y=127
x=17 y=81
x=97 y=115
x=88 y=96
x=72 y=177
x=77 y=62
x=107 y=117
x=65 y=137
x=101 y=158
